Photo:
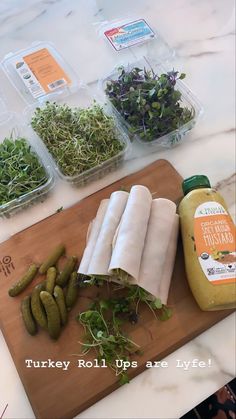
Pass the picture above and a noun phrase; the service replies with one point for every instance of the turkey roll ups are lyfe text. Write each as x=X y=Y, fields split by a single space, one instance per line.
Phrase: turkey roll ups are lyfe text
x=133 y=241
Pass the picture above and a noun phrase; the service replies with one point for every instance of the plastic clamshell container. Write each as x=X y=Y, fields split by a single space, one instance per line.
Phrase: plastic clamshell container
x=133 y=51
x=21 y=73
x=81 y=98
x=10 y=127
x=3 y=109
x=188 y=99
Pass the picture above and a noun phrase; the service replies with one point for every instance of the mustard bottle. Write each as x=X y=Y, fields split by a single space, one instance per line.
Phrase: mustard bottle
x=208 y=235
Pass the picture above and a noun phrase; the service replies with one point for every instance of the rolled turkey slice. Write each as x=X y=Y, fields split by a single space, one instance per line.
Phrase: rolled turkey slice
x=169 y=262
x=101 y=257
x=129 y=243
x=154 y=257
x=92 y=234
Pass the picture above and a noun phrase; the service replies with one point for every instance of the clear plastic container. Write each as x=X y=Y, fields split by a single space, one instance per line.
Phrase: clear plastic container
x=81 y=98
x=3 y=109
x=38 y=71
x=138 y=47
x=10 y=127
x=188 y=99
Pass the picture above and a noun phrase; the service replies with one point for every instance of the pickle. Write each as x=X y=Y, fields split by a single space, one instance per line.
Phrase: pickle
x=53 y=315
x=51 y=279
x=68 y=269
x=72 y=290
x=37 y=307
x=52 y=258
x=60 y=300
x=24 y=281
x=27 y=316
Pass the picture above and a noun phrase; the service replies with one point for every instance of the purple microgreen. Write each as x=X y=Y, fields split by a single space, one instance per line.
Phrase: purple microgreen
x=150 y=103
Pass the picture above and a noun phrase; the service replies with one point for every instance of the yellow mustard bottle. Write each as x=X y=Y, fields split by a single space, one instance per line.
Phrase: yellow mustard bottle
x=208 y=235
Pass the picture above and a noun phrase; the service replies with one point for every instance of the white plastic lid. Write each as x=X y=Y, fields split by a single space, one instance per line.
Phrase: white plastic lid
x=3 y=111
x=39 y=71
x=133 y=38
x=3 y=107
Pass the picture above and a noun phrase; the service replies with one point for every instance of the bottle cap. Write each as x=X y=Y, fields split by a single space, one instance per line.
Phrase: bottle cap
x=195 y=182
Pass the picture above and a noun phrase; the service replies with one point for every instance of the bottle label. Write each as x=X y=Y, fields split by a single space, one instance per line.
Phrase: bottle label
x=214 y=234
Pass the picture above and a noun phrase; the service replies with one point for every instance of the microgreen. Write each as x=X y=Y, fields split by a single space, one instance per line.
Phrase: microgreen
x=149 y=103
x=86 y=281
x=103 y=334
x=78 y=139
x=137 y=295
x=103 y=323
x=20 y=170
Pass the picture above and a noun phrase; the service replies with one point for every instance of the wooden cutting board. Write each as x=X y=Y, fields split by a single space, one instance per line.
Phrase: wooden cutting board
x=56 y=393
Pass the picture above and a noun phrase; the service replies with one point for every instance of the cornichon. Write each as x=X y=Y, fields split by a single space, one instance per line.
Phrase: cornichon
x=51 y=279
x=24 y=281
x=53 y=315
x=72 y=290
x=37 y=306
x=68 y=269
x=52 y=258
x=27 y=316
x=60 y=300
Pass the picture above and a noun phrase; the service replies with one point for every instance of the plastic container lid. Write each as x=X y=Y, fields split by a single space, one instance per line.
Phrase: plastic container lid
x=195 y=182
x=3 y=108
x=133 y=37
x=3 y=111
x=39 y=71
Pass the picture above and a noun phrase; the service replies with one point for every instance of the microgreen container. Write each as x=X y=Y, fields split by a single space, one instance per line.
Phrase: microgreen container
x=188 y=100
x=11 y=128
x=38 y=71
x=83 y=98
x=126 y=39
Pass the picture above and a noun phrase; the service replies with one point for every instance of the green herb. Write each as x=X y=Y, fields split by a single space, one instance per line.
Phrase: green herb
x=86 y=281
x=123 y=276
x=104 y=335
x=136 y=295
x=20 y=170
x=124 y=188
x=78 y=139
x=103 y=326
x=149 y=103
x=59 y=209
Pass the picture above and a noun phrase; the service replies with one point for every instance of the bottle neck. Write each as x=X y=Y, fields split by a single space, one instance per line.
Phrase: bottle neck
x=196 y=188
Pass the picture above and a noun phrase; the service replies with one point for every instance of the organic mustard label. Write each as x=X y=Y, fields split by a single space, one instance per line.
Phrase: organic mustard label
x=214 y=233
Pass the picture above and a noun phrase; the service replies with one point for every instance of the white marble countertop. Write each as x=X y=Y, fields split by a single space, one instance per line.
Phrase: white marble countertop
x=202 y=34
